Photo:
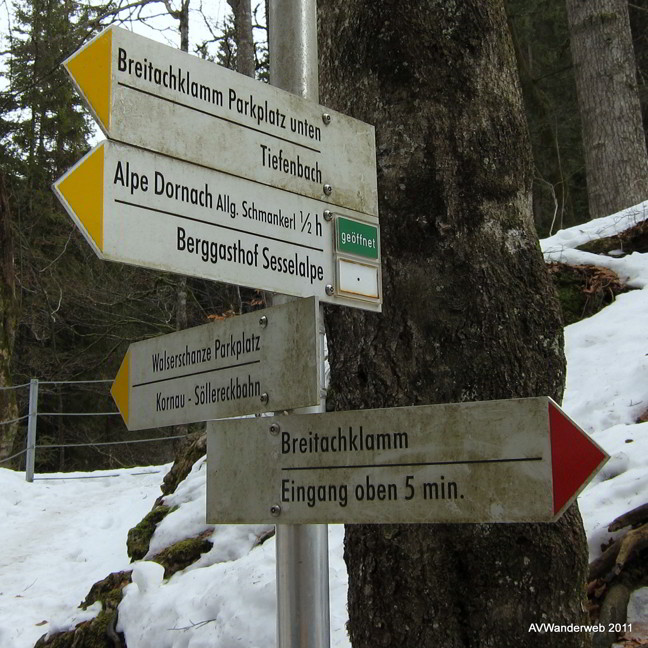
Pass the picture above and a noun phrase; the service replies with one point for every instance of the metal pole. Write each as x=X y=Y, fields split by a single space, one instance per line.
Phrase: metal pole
x=303 y=618
x=292 y=45
x=30 y=456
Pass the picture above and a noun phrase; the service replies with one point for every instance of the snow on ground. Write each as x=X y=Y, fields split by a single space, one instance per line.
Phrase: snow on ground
x=607 y=375
x=58 y=537
x=599 y=228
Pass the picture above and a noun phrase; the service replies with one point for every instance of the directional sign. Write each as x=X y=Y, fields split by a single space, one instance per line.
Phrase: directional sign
x=154 y=96
x=150 y=210
x=516 y=460
x=260 y=361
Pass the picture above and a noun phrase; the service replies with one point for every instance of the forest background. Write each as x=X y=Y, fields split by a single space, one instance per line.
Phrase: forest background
x=67 y=316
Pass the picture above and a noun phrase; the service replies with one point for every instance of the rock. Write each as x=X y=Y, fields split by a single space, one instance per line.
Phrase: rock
x=139 y=537
x=613 y=613
x=108 y=589
x=634 y=239
x=182 y=465
x=100 y=632
x=584 y=290
x=183 y=553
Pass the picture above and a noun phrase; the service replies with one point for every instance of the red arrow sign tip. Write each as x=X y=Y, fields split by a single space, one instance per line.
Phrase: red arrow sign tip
x=575 y=458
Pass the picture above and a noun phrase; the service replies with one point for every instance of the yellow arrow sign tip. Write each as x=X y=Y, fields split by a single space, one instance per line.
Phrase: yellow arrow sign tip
x=82 y=190
x=121 y=387
x=90 y=68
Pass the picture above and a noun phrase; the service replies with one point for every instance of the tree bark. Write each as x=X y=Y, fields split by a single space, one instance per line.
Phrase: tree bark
x=616 y=162
x=242 y=10
x=8 y=323
x=469 y=313
x=245 y=64
x=182 y=321
x=182 y=16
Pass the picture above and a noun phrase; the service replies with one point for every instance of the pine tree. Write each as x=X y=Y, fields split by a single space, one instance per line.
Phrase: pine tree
x=75 y=313
x=50 y=130
x=43 y=131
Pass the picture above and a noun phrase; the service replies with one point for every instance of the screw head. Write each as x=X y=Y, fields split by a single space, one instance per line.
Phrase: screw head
x=326 y=118
x=275 y=510
x=275 y=428
x=264 y=398
x=328 y=215
x=329 y=290
x=263 y=321
x=328 y=189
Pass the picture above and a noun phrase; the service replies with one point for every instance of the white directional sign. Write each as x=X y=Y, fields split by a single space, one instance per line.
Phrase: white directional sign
x=252 y=363
x=150 y=210
x=516 y=460
x=159 y=98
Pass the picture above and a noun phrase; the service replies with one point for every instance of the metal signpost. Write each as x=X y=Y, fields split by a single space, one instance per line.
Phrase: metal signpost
x=303 y=611
x=519 y=460
x=142 y=208
x=242 y=365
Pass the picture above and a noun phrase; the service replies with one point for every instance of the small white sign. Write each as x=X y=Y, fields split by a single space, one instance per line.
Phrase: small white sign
x=358 y=279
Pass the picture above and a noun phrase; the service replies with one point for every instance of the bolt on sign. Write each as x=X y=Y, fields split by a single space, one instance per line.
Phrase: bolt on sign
x=248 y=364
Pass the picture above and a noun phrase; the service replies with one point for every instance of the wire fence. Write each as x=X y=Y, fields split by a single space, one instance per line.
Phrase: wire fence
x=102 y=476
x=32 y=417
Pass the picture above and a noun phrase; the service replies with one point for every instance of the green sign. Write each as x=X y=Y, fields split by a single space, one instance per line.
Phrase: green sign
x=358 y=238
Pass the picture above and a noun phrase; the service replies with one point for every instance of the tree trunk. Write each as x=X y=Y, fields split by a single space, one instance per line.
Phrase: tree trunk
x=182 y=320
x=245 y=64
x=8 y=322
x=183 y=18
x=242 y=11
x=181 y=303
x=616 y=162
x=469 y=313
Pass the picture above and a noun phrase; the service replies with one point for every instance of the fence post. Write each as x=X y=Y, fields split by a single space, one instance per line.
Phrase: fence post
x=31 y=430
